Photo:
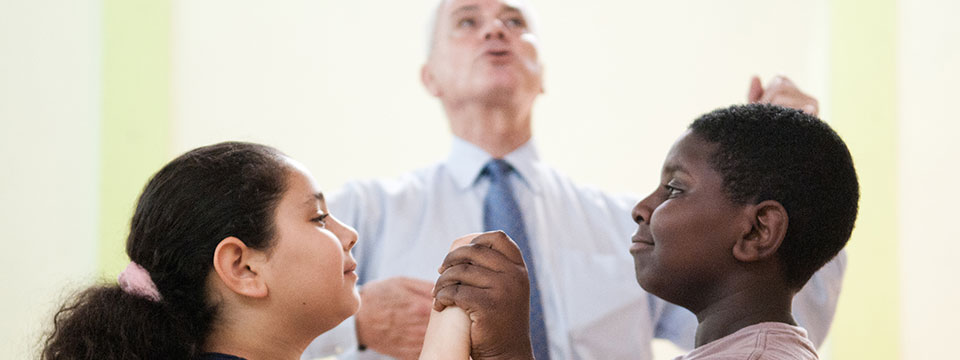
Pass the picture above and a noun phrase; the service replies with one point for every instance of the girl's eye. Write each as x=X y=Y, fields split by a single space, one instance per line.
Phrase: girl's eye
x=321 y=220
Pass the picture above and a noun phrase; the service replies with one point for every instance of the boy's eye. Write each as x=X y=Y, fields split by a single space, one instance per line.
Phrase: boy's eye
x=672 y=191
x=321 y=220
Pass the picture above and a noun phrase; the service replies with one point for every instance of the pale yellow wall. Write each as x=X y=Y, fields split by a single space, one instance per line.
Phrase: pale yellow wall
x=49 y=125
x=929 y=63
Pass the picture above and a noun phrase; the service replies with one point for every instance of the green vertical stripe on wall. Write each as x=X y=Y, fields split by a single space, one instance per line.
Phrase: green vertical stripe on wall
x=863 y=93
x=136 y=111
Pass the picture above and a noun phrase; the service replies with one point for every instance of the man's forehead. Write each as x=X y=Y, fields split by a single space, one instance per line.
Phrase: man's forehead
x=452 y=6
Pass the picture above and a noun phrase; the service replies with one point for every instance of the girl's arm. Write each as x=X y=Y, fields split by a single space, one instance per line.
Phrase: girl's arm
x=448 y=332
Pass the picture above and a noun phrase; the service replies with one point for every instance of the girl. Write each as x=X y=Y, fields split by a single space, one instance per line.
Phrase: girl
x=233 y=255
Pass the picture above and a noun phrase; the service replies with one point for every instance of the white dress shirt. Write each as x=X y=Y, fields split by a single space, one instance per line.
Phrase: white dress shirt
x=580 y=236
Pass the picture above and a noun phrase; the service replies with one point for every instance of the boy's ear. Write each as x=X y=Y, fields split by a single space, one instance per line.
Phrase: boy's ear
x=769 y=227
x=239 y=266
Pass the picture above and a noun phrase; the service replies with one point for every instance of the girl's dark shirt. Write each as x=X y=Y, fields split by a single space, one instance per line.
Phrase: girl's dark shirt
x=219 y=356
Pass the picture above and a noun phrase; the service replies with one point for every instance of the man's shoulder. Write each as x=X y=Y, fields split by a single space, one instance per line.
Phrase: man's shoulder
x=556 y=183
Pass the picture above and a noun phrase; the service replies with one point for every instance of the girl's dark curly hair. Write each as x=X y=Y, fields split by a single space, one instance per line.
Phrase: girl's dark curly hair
x=198 y=199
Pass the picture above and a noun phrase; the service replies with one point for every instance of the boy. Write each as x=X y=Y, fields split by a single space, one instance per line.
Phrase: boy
x=752 y=201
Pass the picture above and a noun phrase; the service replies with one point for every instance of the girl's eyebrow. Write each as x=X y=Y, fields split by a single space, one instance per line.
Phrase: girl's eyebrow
x=316 y=197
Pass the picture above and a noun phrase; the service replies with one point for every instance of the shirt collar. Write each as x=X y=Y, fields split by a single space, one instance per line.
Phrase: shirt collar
x=466 y=161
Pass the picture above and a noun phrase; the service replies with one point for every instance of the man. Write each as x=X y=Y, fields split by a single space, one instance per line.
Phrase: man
x=484 y=68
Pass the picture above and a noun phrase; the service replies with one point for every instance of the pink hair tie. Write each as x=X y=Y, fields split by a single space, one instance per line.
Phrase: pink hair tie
x=135 y=280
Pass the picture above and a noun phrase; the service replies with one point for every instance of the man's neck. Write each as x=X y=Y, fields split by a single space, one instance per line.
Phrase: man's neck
x=498 y=130
x=747 y=306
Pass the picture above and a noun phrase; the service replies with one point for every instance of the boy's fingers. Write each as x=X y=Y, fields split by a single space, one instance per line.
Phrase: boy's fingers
x=478 y=255
x=464 y=297
x=439 y=305
x=499 y=241
x=467 y=275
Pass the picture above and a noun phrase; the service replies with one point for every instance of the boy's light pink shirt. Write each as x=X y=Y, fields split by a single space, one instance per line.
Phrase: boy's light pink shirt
x=763 y=341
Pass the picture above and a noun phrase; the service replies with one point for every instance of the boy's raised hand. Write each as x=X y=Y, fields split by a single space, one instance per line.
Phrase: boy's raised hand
x=488 y=280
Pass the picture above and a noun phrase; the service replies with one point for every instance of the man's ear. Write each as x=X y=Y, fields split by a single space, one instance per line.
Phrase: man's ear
x=543 y=90
x=428 y=80
x=238 y=267
x=769 y=227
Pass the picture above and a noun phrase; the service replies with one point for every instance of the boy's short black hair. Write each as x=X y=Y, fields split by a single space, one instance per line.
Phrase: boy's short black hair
x=768 y=152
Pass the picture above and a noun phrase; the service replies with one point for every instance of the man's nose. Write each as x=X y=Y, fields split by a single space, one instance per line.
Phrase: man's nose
x=495 y=30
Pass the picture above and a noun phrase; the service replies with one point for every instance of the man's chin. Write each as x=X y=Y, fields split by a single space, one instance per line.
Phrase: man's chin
x=506 y=86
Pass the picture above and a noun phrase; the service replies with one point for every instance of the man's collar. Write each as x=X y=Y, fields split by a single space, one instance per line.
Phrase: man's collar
x=466 y=161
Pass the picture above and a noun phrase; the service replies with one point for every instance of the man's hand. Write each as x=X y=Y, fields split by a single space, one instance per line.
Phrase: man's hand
x=393 y=316
x=488 y=280
x=781 y=91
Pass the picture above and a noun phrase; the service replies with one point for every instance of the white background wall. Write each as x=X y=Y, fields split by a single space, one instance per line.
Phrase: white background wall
x=49 y=143
x=335 y=84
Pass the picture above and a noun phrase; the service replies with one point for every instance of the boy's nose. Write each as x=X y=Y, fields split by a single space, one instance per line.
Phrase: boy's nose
x=641 y=211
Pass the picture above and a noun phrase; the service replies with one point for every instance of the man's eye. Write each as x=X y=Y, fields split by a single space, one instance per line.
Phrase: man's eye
x=467 y=22
x=515 y=23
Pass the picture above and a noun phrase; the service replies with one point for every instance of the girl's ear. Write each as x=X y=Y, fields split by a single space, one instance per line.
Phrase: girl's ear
x=238 y=267
x=769 y=227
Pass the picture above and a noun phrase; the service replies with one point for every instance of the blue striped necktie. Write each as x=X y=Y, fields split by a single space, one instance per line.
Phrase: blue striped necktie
x=501 y=212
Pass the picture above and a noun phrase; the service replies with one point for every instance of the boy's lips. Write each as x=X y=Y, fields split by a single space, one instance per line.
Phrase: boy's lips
x=642 y=235
x=640 y=243
x=642 y=240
